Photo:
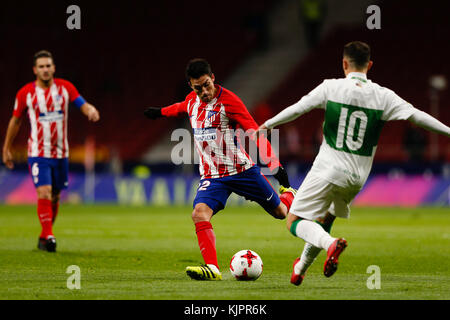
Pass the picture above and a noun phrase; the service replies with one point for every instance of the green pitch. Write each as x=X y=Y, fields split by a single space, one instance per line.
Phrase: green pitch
x=141 y=253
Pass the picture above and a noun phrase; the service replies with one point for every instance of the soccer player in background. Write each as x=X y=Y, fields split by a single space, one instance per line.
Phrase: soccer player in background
x=214 y=113
x=355 y=111
x=46 y=101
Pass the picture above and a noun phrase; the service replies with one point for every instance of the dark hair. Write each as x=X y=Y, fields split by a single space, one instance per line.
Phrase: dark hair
x=358 y=53
x=42 y=54
x=197 y=68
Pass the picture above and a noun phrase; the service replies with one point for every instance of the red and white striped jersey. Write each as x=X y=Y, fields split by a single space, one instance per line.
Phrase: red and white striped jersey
x=48 y=111
x=215 y=125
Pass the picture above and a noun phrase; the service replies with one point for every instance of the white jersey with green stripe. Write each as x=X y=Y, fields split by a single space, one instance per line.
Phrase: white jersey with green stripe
x=355 y=112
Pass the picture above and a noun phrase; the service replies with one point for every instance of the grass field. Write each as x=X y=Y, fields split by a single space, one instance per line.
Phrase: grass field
x=141 y=253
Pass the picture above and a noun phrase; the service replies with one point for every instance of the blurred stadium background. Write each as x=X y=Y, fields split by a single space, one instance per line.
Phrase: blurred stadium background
x=132 y=55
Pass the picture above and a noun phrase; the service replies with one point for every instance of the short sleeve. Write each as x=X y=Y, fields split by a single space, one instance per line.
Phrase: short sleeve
x=71 y=90
x=397 y=108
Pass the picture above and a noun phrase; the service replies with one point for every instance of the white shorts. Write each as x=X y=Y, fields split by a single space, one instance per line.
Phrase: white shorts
x=316 y=197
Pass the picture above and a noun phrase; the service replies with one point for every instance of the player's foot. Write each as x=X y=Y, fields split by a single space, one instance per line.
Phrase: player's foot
x=290 y=189
x=204 y=272
x=48 y=244
x=333 y=253
x=296 y=278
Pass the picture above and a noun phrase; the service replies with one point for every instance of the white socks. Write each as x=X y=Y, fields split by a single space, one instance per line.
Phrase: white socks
x=308 y=256
x=314 y=234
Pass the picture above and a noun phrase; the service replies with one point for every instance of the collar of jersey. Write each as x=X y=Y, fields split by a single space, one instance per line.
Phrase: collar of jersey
x=46 y=89
x=219 y=92
x=357 y=75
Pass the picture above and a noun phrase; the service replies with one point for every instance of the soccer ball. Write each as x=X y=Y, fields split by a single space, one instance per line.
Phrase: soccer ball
x=246 y=265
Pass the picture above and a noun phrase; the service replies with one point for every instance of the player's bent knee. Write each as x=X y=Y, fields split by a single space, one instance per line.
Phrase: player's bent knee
x=291 y=218
x=201 y=212
x=44 y=192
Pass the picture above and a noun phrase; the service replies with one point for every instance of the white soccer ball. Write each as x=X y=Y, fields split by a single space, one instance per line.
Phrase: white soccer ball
x=246 y=265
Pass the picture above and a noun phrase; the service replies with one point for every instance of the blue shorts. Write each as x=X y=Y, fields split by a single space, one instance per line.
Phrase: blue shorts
x=47 y=171
x=250 y=184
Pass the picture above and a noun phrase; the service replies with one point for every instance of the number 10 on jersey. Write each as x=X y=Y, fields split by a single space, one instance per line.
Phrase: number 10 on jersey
x=352 y=129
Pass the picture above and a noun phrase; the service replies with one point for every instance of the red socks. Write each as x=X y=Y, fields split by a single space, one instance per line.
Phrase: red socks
x=44 y=210
x=287 y=198
x=207 y=242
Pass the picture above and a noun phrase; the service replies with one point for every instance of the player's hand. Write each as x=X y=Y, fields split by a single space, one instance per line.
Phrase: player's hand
x=90 y=112
x=153 y=113
x=93 y=115
x=8 y=159
x=282 y=177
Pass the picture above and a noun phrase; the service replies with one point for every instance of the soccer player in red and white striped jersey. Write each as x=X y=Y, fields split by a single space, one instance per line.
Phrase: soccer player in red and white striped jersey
x=46 y=101
x=215 y=115
x=221 y=156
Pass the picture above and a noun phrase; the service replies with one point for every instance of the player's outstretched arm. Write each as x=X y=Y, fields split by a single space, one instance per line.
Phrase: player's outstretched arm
x=90 y=112
x=11 y=132
x=170 y=111
x=424 y=120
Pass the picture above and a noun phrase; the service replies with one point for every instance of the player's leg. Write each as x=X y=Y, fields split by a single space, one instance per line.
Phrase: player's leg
x=306 y=219
x=47 y=241
x=211 y=197
x=318 y=239
x=310 y=252
x=201 y=216
x=42 y=178
x=44 y=208
x=60 y=181
x=342 y=198
x=286 y=198
x=309 y=231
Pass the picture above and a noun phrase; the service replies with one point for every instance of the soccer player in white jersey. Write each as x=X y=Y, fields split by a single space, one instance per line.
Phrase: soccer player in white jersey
x=355 y=110
x=46 y=101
